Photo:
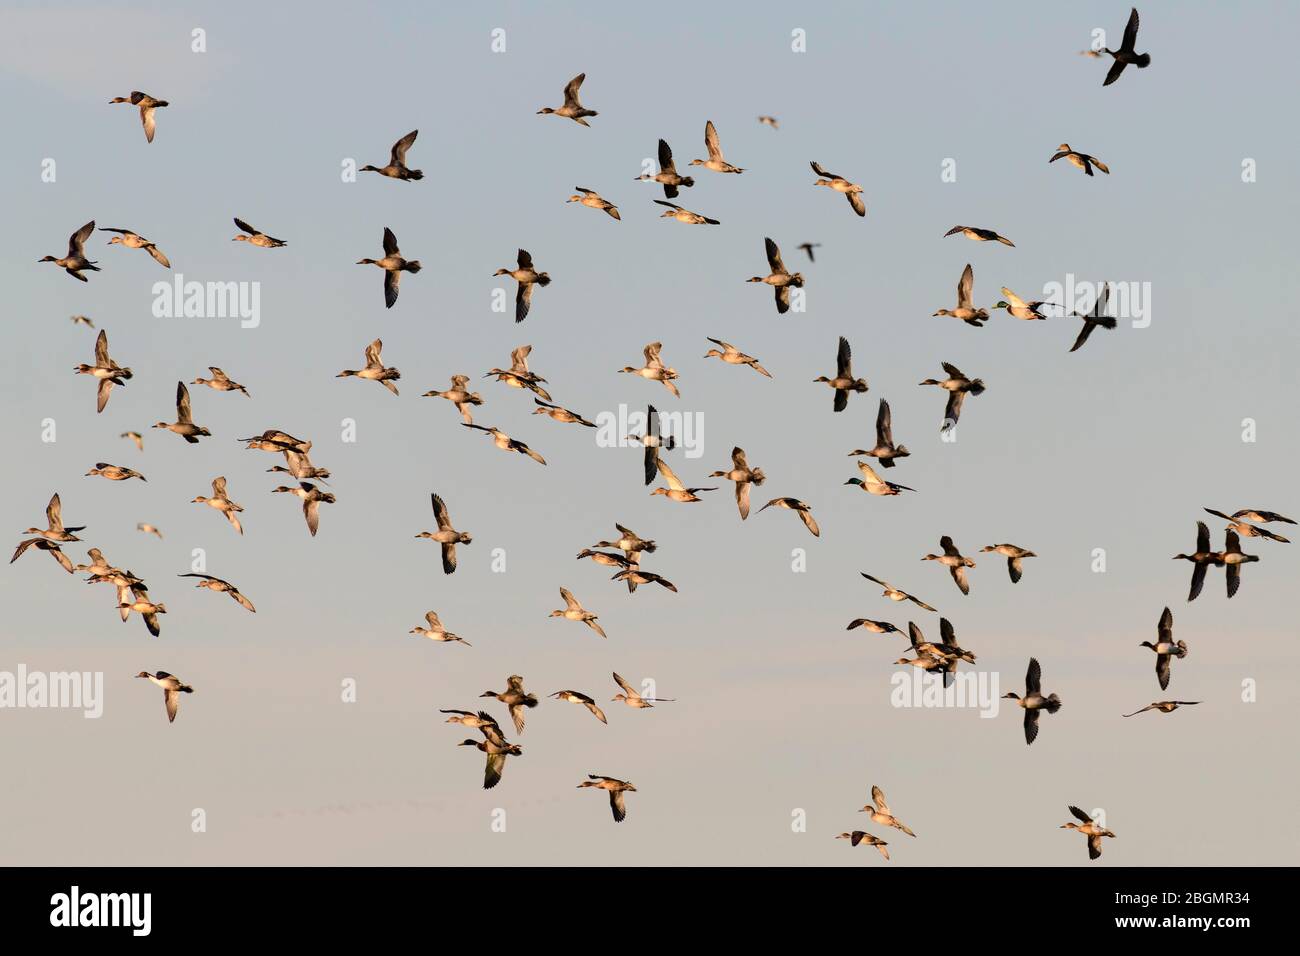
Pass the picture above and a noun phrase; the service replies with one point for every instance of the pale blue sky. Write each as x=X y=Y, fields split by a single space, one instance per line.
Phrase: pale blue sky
x=1117 y=446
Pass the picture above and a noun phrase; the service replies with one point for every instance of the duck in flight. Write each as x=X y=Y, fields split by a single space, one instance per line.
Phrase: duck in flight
x=654 y=369
x=396 y=168
x=807 y=249
x=979 y=235
x=685 y=215
x=780 y=278
x=527 y=277
x=518 y=374
x=393 y=265
x=884 y=451
x=1018 y=308
x=676 y=491
x=1233 y=558
x=1081 y=160
x=880 y=812
x=1093 y=831
x=75 y=262
x=560 y=414
x=861 y=836
x=651 y=442
x=256 y=237
x=965 y=310
x=896 y=594
x=1202 y=559
x=954 y=561
x=1164 y=706
x=851 y=191
x=220 y=500
x=615 y=787
x=875 y=627
x=575 y=697
x=743 y=476
x=220 y=382
x=459 y=395
x=843 y=382
x=1248 y=530
x=54 y=530
x=49 y=547
x=446 y=535
x=497 y=749
x=505 y=442
x=515 y=698
x=374 y=370
x=873 y=484
x=141 y=604
x=593 y=200
x=632 y=697
x=133 y=240
x=1095 y=317
x=436 y=632
x=715 y=161
x=733 y=356
x=114 y=472
x=312 y=498
x=107 y=371
x=572 y=108
x=1034 y=701
x=221 y=587
x=184 y=424
x=1165 y=647
x=667 y=175
x=1014 y=555
x=1127 y=52
x=147 y=106
x=802 y=509
x=172 y=688
x=574 y=611
x=633 y=576
x=957 y=386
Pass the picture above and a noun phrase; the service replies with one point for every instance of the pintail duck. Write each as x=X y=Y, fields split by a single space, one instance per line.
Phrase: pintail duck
x=221 y=587
x=107 y=371
x=1261 y=517
x=780 y=278
x=312 y=498
x=1203 y=558
x=743 y=476
x=446 y=535
x=861 y=836
x=149 y=529
x=651 y=442
x=436 y=632
x=257 y=237
x=146 y=608
x=220 y=382
x=220 y=500
x=654 y=369
x=572 y=108
x=592 y=200
x=771 y=121
x=49 y=547
x=873 y=484
x=527 y=277
x=1014 y=556
x=515 y=698
x=1081 y=160
x=676 y=491
x=518 y=374
x=54 y=530
x=474 y=720
x=574 y=611
x=275 y=440
x=1127 y=52
x=75 y=262
x=1164 y=706
x=715 y=161
x=128 y=586
x=685 y=215
x=843 y=382
x=147 y=105
x=885 y=451
x=875 y=627
x=629 y=542
x=184 y=424
x=459 y=395
x=808 y=248
x=667 y=175
x=574 y=697
x=615 y=787
x=966 y=310
x=560 y=414
x=632 y=697
x=929 y=656
x=133 y=240
x=374 y=370
x=881 y=813
x=98 y=567
x=852 y=191
x=802 y=509
x=506 y=443
x=299 y=466
x=1093 y=831
x=172 y=688
x=83 y=320
x=135 y=437
x=952 y=652
x=396 y=168
x=393 y=265
x=1233 y=558
x=1034 y=701
x=634 y=576
x=609 y=560
x=956 y=385
x=1248 y=530
x=1018 y=307
x=1096 y=316
x=979 y=235
x=113 y=472
x=497 y=751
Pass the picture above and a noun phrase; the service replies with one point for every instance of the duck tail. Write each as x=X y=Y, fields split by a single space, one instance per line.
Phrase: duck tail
x=688 y=181
x=416 y=174
x=530 y=701
x=1053 y=704
x=414 y=266
x=1107 y=322
x=543 y=279
x=900 y=451
x=1143 y=61
x=977 y=386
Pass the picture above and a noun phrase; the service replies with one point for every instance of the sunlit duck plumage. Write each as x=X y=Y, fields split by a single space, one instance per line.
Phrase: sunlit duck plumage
x=667 y=175
x=113 y=472
x=633 y=698
x=1019 y=308
x=873 y=484
x=676 y=491
x=54 y=530
x=172 y=688
x=220 y=500
x=843 y=382
x=1233 y=558
x=459 y=395
x=861 y=836
x=881 y=813
x=572 y=108
x=107 y=371
x=957 y=386
x=966 y=310
x=628 y=541
x=146 y=608
x=255 y=236
x=75 y=262
x=1014 y=555
x=1202 y=559
x=574 y=611
x=929 y=656
x=575 y=697
x=1261 y=517
x=221 y=587
x=49 y=547
x=979 y=235
x=1093 y=831
x=651 y=442
x=616 y=790
x=1081 y=160
x=852 y=191
x=954 y=561
x=220 y=382
x=733 y=356
x=146 y=528
x=393 y=265
x=374 y=370
x=527 y=277
x=884 y=451
x=515 y=698
x=446 y=535
x=1164 y=706
x=1094 y=317
x=497 y=750
x=953 y=652
x=875 y=627
x=134 y=240
x=299 y=465
x=518 y=374
x=560 y=414
x=396 y=168
x=436 y=632
x=275 y=440
x=715 y=161
x=744 y=476
x=184 y=424
x=505 y=442
x=780 y=278
x=685 y=215
x=474 y=720
x=312 y=498
x=609 y=559
x=1248 y=530
x=592 y=200
x=1127 y=52
x=803 y=510
x=1034 y=701
x=147 y=105
x=634 y=576
x=654 y=369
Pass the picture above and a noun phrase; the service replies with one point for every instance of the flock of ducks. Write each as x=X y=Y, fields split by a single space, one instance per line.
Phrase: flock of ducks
x=625 y=551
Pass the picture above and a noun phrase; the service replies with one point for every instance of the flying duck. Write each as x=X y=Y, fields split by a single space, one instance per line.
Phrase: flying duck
x=518 y=374
x=1018 y=307
x=1127 y=52
x=956 y=385
x=1014 y=556
x=1096 y=316
x=1081 y=160
x=75 y=262
x=682 y=214
x=220 y=500
x=54 y=530
x=107 y=371
x=615 y=787
x=861 y=836
x=393 y=265
x=881 y=813
x=632 y=697
x=801 y=508
x=374 y=370
x=572 y=108
x=1164 y=706
x=560 y=414
x=780 y=278
x=1034 y=701
x=1248 y=530
x=312 y=498
x=965 y=310
x=114 y=472
x=676 y=491
x=1093 y=831
x=979 y=235
x=147 y=105
x=667 y=175
x=134 y=240
x=593 y=200
x=459 y=395
x=396 y=168
x=884 y=451
x=446 y=535
x=743 y=476
x=715 y=161
x=256 y=237
x=574 y=697
x=1202 y=559
x=515 y=698
x=221 y=587
x=527 y=277
x=436 y=632
x=843 y=382
x=1233 y=558
x=873 y=484
x=184 y=424
x=220 y=382
x=574 y=611
x=172 y=689
x=654 y=369
x=505 y=442
x=651 y=442
x=851 y=191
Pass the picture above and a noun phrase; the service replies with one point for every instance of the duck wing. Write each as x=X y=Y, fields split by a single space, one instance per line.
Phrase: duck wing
x=1080 y=815
x=617 y=805
x=246 y=227
x=77 y=241
x=884 y=425
x=666 y=165
x=571 y=91
x=398 y=155
x=1031 y=726
x=390 y=243
x=183 y=413
x=964 y=286
x=774 y=258
x=844 y=360
x=711 y=142
x=1033 y=678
